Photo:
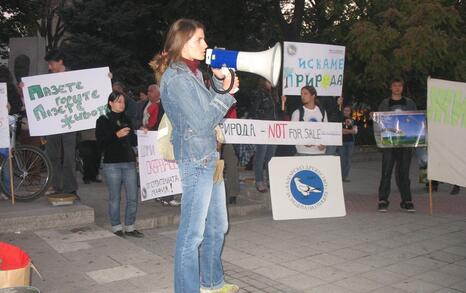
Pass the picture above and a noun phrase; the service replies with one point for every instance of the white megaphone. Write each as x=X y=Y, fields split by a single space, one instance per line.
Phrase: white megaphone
x=266 y=63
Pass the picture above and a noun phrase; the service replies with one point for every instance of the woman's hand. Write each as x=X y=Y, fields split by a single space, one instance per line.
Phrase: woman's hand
x=218 y=73
x=321 y=147
x=123 y=132
x=227 y=82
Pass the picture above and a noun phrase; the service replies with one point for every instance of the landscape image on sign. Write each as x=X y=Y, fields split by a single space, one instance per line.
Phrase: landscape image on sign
x=402 y=129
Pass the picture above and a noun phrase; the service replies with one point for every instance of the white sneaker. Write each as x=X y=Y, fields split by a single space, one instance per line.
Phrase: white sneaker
x=174 y=203
x=227 y=288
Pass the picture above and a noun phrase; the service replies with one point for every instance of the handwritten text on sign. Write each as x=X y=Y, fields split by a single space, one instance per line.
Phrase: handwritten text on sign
x=317 y=65
x=67 y=101
x=158 y=177
x=245 y=131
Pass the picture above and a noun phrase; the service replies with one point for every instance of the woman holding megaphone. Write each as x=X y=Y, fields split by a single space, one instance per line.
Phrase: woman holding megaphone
x=194 y=112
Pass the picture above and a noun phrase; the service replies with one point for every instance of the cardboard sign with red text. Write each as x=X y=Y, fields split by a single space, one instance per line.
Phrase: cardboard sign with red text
x=158 y=177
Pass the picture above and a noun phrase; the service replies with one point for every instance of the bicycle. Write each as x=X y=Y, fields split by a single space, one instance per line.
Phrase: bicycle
x=32 y=169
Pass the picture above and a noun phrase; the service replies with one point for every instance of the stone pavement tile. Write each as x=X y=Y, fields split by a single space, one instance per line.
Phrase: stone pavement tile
x=448 y=290
x=440 y=279
x=454 y=270
x=459 y=250
x=275 y=271
x=377 y=261
x=230 y=254
x=251 y=263
x=117 y=286
x=327 y=259
x=358 y=284
x=302 y=282
x=426 y=262
x=400 y=253
x=415 y=285
x=153 y=283
x=383 y=276
x=329 y=288
x=154 y=267
x=445 y=256
x=461 y=286
x=369 y=247
x=387 y=290
x=115 y=274
x=353 y=267
x=349 y=253
x=461 y=262
x=407 y=269
x=133 y=255
x=302 y=265
x=329 y=274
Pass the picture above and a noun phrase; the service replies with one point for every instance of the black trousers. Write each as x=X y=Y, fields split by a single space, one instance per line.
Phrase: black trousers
x=90 y=154
x=400 y=158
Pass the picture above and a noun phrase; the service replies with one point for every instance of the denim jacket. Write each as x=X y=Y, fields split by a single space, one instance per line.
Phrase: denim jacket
x=194 y=111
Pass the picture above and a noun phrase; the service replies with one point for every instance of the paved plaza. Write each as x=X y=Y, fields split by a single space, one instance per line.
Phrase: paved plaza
x=365 y=251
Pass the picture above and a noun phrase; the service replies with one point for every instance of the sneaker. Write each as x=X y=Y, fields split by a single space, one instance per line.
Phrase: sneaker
x=383 y=206
x=174 y=203
x=119 y=233
x=261 y=186
x=455 y=190
x=408 y=206
x=134 y=233
x=227 y=288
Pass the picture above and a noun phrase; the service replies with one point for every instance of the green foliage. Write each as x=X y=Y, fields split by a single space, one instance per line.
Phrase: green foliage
x=411 y=39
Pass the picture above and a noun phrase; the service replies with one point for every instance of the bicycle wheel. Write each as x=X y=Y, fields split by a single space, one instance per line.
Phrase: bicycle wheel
x=32 y=173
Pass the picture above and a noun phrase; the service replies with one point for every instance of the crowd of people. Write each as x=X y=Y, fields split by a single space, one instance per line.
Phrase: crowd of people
x=184 y=95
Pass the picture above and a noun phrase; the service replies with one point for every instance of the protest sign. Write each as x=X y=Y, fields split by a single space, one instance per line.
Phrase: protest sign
x=306 y=187
x=67 y=101
x=317 y=65
x=400 y=129
x=158 y=177
x=245 y=131
x=446 y=120
x=4 y=126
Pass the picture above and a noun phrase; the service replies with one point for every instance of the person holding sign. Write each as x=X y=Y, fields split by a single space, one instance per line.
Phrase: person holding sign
x=310 y=111
x=401 y=157
x=61 y=148
x=116 y=139
x=194 y=112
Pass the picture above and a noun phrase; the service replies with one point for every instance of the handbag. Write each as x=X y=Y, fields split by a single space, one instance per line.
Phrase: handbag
x=164 y=136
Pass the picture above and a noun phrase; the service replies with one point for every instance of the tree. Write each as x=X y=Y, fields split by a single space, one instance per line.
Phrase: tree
x=411 y=39
x=28 y=18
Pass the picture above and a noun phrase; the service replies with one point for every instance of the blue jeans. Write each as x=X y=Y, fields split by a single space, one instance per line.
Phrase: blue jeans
x=115 y=175
x=264 y=154
x=6 y=168
x=345 y=151
x=203 y=224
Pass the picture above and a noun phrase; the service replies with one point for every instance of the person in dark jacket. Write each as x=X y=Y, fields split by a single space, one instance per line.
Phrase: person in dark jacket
x=401 y=157
x=116 y=139
x=264 y=107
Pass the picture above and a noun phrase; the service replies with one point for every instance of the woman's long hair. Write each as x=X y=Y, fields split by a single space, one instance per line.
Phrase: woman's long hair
x=180 y=32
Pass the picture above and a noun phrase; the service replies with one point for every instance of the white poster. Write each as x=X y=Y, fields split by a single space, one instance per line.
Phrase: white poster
x=446 y=131
x=66 y=102
x=317 y=65
x=246 y=131
x=158 y=177
x=306 y=187
x=4 y=127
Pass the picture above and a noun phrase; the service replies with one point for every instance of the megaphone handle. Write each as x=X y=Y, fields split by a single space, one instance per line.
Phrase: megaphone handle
x=232 y=83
